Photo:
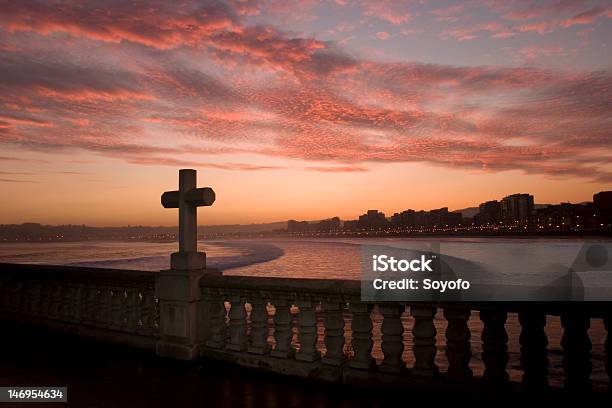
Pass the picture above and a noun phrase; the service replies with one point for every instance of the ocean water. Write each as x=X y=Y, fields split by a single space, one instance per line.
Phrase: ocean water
x=509 y=260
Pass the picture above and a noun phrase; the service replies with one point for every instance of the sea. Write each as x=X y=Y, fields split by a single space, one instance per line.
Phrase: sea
x=508 y=260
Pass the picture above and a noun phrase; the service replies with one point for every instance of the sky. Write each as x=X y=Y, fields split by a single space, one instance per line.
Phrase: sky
x=299 y=109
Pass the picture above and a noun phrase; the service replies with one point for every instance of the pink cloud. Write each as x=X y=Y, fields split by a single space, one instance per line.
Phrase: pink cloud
x=337 y=169
x=588 y=17
x=226 y=88
x=383 y=35
x=387 y=10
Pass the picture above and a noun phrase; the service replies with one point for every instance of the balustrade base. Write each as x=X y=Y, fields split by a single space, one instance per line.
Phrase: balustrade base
x=236 y=347
x=307 y=356
x=282 y=354
x=177 y=351
x=422 y=372
x=258 y=350
x=371 y=365
x=344 y=374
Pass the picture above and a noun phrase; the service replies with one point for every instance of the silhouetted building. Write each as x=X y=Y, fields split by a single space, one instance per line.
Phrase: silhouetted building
x=516 y=208
x=405 y=219
x=351 y=225
x=373 y=219
x=328 y=225
x=564 y=216
x=441 y=218
x=489 y=213
x=602 y=207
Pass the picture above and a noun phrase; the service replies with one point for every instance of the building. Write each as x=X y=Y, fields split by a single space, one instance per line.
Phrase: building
x=405 y=219
x=602 y=209
x=516 y=208
x=489 y=213
x=564 y=216
x=373 y=220
x=441 y=218
x=328 y=225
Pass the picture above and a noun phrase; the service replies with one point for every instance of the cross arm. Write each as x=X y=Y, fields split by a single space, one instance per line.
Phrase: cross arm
x=170 y=199
x=200 y=197
x=197 y=197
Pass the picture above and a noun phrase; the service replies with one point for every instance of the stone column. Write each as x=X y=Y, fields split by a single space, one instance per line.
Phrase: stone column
x=182 y=312
x=576 y=344
x=392 y=338
x=361 y=340
x=534 y=353
x=424 y=348
x=307 y=333
x=334 y=333
x=495 y=346
x=283 y=331
x=458 y=351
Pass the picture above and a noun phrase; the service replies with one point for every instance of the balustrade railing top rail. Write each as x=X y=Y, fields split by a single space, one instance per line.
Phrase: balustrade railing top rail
x=33 y=271
x=351 y=290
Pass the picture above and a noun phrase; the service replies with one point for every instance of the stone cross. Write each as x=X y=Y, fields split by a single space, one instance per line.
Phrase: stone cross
x=187 y=198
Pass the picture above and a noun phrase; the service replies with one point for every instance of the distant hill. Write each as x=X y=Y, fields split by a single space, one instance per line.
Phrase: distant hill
x=244 y=228
x=34 y=232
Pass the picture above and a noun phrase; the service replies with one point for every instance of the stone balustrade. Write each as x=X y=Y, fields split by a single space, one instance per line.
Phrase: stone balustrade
x=309 y=327
x=112 y=305
x=320 y=329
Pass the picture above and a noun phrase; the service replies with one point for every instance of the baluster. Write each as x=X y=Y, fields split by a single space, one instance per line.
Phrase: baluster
x=458 y=350
x=334 y=333
x=3 y=294
x=608 y=347
x=45 y=296
x=24 y=300
x=576 y=345
x=237 y=325
x=494 y=346
x=90 y=306
x=115 y=310
x=106 y=300
x=147 y=315
x=534 y=355
x=66 y=302
x=424 y=348
x=155 y=315
x=55 y=301
x=307 y=334
x=34 y=289
x=16 y=297
x=139 y=311
x=218 y=326
x=361 y=340
x=123 y=308
x=282 y=330
x=77 y=303
x=131 y=316
x=258 y=342
x=392 y=338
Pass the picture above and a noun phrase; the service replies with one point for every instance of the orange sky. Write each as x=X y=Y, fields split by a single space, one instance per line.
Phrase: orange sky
x=305 y=110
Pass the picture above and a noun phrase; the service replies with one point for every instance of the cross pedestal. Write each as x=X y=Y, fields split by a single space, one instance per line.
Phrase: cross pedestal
x=181 y=309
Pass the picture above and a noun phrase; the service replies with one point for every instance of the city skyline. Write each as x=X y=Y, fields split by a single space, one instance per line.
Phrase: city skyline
x=299 y=109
